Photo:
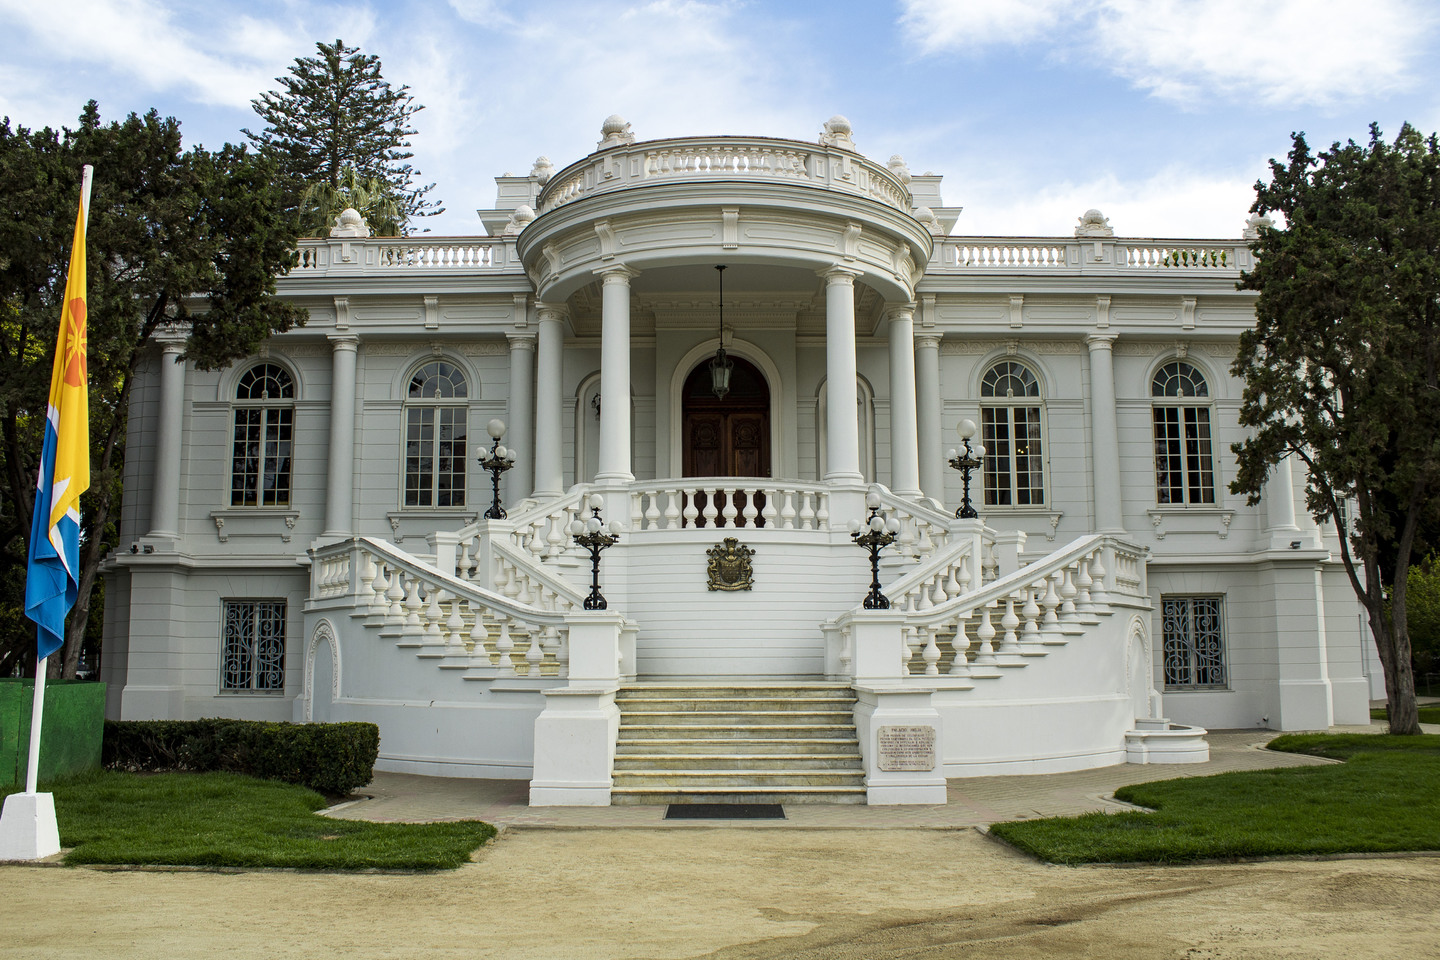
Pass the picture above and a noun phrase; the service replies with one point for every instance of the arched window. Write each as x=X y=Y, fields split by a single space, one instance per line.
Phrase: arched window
x=435 y=427
x=1010 y=427
x=263 y=437
x=1184 y=462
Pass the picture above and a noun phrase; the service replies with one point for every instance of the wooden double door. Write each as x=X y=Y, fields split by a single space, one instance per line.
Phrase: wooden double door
x=727 y=437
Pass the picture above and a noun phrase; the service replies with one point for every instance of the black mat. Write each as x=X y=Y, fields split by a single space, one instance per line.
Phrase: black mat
x=724 y=811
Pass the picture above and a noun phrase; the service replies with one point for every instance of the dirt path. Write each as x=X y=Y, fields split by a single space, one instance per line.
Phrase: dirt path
x=734 y=893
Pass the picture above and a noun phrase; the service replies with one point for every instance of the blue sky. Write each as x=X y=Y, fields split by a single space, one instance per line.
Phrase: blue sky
x=1162 y=113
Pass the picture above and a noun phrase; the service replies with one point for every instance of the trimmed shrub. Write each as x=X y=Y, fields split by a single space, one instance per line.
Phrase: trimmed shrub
x=333 y=758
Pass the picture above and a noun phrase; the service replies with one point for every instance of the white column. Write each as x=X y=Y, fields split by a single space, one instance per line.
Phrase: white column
x=549 y=475
x=615 y=375
x=842 y=448
x=339 y=513
x=928 y=405
x=518 y=436
x=1279 y=500
x=1105 y=464
x=165 y=506
x=904 y=438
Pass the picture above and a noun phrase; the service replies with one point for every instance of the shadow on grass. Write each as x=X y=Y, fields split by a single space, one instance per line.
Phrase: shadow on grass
x=1386 y=797
x=228 y=820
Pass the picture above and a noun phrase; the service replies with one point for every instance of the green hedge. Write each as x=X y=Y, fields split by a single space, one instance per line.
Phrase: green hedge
x=332 y=758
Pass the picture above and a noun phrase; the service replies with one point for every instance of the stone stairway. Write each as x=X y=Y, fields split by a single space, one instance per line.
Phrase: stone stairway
x=737 y=743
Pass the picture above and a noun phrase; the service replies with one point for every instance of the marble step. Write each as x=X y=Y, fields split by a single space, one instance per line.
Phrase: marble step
x=749 y=794
x=730 y=731
x=739 y=778
x=644 y=705
x=659 y=762
x=710 y=691
x=731 y=717
x=749 y=746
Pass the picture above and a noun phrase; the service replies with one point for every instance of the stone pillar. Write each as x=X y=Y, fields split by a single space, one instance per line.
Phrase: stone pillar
x=928 y=407
x=615 y=375
x=1279 y=500
x=519 y=437
x=339 y=512
x=549 y=475
x=1105 y=478
x=904 y=439
x=842 y=448
x=165 y=505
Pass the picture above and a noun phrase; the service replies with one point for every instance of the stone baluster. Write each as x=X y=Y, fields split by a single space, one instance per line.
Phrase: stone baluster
x=503 y=646
x=672 y=509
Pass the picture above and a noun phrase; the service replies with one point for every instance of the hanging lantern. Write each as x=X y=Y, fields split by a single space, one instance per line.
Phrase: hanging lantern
x=721 y=366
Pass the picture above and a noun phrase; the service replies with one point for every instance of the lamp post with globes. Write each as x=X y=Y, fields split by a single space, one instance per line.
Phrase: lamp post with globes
x=874 y=534
x=965 y=461
x=497 y=460
x=591 y=534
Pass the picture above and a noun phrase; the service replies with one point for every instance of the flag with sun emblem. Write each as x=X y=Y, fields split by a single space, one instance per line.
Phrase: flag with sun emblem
x=52 y=577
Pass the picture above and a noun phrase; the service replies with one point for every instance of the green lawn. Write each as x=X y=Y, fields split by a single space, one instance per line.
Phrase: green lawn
x=228 y=820
x=1385 y=797
x=1427 y=714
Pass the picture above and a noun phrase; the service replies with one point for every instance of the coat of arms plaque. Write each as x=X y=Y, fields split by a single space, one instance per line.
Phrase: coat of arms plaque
x=729 y=566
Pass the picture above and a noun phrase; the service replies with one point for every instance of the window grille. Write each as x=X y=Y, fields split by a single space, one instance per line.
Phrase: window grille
x=1194 y=642
x=263 y=438
x=435 y=436
x=1011 y=431
x=253 y=647
x=1184 y=455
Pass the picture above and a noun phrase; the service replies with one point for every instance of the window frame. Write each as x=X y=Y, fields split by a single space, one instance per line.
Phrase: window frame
x=1185 y=454
x=454 y=407
x=1010 y=403
x=254 y=657
x=1191 y=643
x=276 y=425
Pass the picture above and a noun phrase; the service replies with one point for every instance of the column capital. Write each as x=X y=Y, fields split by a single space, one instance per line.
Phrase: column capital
x=521 y=341
x=1100 y=341
x=343 y=341
x=616 y=273
x=836 y=274
x=900 y=311
x=547 y=310
x=928 y=341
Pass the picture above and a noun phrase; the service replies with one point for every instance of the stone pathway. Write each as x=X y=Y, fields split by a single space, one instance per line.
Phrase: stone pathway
x=398 y=797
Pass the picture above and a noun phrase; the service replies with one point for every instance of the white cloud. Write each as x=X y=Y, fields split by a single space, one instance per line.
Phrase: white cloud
x=1279 y=53
x=1209 y=206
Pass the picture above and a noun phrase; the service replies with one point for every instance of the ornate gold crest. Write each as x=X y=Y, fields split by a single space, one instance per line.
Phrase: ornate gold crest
x=729 y=567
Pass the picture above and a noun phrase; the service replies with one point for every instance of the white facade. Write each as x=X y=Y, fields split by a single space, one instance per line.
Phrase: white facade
x=351 y=578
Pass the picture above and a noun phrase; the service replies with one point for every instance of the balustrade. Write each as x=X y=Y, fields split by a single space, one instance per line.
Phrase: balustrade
x=730 y=504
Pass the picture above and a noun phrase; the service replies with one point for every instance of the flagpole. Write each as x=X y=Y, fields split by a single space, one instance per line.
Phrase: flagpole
x=37 y=703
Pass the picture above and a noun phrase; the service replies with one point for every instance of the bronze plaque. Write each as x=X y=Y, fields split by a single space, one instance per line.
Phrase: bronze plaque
x=729 y=566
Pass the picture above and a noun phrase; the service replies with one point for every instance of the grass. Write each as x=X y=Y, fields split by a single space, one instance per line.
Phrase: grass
x=1427 y=714
x=1385 y=797
x=228 y=820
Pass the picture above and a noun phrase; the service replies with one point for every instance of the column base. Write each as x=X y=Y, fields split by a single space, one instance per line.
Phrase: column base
x=28 y=829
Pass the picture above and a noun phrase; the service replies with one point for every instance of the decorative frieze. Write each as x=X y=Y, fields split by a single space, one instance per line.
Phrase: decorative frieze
x=952 y=346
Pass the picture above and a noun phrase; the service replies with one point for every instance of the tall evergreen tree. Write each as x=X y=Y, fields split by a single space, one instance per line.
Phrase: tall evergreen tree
x=336 y=111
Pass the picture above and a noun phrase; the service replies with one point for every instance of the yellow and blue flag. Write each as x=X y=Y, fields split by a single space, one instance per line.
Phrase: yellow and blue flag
x=52 y=578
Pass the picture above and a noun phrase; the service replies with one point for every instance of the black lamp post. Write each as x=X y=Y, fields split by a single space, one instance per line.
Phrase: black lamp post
x=721 y=366
x=970 y=459
x=877 y=534
x=497 y=460
x=591 y=534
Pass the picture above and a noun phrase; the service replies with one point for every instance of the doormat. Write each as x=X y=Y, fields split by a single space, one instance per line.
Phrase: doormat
x=724 y=811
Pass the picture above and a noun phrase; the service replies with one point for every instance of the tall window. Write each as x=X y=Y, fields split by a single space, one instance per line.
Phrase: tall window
x=1194 y=642
x=263 y=437
x=1184 y=466
x=435 y=420
x=252 y=655
x=1010 y=415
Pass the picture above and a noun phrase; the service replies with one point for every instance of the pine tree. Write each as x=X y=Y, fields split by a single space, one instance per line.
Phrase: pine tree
x=337 y=111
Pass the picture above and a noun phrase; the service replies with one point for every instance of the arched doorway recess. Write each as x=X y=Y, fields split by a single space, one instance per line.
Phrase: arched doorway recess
x=727 y=437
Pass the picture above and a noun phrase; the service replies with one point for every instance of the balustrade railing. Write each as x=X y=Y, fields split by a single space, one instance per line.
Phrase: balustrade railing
x=1088 y=255
x=392 y=254
x=923 y=529
x=728 y=503
x=488 y=633
x=725 y=158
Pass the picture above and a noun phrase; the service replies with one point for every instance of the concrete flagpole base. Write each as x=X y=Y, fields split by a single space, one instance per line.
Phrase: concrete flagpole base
x=28 y=830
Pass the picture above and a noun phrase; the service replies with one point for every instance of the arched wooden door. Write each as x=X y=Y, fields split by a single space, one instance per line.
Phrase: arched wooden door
x=729 y=437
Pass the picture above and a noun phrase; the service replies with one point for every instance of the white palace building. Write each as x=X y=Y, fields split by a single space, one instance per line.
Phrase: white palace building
x=305 y=533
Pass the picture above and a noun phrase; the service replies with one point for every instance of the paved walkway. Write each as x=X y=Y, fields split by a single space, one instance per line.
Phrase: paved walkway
x=399 y=797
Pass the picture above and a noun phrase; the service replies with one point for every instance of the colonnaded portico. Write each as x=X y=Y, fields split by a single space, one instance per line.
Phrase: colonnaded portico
x=304 y=535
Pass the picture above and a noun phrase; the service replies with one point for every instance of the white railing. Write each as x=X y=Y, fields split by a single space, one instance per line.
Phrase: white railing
x=484 y=632
x=923 y=529
x=729 y=503
x=1089 y=255
x=386 y=255
x=703 y=159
